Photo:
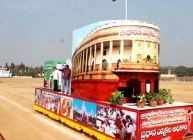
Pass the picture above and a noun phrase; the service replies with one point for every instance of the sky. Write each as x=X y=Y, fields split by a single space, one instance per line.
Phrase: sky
x=80 y=33
x=34 y=31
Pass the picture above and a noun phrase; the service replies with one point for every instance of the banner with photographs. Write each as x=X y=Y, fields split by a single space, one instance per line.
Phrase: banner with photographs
x=49 y=101
x=84 y=112
x=111 y=121
x=38 y=97
x=116 y=123
x=66 y=107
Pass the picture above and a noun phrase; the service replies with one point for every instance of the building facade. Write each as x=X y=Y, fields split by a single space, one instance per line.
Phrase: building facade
x=4 y=72
x=117 y=55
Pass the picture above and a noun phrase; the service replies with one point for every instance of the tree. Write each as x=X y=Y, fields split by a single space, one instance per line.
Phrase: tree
x=41 y=69
x=163 y=70
x=12 y=65
x=21 y=66
x=181 y=71
x=189 y=71
x=6 y=65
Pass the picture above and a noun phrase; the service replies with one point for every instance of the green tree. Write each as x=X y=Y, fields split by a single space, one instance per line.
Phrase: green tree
x=41 y=69
x=181 y=71
x=6 y=65
x=163 y=70
x=12 y=67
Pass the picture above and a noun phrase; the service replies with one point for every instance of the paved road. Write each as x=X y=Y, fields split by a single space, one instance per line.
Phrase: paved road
x=18 y=120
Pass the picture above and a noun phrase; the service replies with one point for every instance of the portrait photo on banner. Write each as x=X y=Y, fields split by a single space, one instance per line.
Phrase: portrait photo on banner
x=116 y=123
x=84 y=112
x=66 y=107
x=38 y=97
x=43 y=99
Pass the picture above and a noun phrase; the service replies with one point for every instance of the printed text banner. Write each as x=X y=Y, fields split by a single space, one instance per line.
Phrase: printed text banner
x=167 y=123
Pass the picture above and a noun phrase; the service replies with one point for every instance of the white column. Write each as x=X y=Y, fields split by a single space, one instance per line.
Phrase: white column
x=110 y=54
x=80 y=62
x=101 y=56
x=121 y=50
x=133 y=52
x=77 y=64
x=74 y=63
x=83 y=61
x=144 y=48
x=86 y=66
x=90 y=62
x=95 y=46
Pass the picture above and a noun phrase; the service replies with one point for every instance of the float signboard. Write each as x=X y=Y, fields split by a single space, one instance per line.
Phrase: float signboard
x=48 y=69
x=166 y=123
x=157 y=123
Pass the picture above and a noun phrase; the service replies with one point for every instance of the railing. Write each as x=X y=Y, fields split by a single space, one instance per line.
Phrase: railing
x=142 y=66
x=123 y=66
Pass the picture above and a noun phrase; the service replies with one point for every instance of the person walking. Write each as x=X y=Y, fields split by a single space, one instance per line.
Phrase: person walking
x=66 y=79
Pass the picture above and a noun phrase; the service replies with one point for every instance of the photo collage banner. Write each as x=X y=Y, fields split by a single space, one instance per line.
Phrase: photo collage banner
x=111 y=121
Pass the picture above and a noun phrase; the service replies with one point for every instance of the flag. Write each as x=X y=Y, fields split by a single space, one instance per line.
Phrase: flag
x=125 y=7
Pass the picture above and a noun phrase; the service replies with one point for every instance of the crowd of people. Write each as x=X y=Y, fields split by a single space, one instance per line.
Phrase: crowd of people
x=63 y=75
x=49 y=101
x=116 y=123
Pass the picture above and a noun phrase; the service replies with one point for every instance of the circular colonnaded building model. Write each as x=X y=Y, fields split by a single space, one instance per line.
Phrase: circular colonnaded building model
x=117 y=56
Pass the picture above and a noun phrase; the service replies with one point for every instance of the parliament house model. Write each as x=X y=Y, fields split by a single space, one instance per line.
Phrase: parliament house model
x=120 y=55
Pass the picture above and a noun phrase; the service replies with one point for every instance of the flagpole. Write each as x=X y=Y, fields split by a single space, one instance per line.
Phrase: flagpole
x=125 y=9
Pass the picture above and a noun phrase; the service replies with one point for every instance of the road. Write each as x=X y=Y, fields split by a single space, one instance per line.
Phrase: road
x=19 y=121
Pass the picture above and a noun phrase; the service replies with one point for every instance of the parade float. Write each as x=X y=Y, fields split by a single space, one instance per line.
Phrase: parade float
x=115 y=86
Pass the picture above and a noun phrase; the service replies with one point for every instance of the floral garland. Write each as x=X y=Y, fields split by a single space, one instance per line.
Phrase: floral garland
x=72 y=124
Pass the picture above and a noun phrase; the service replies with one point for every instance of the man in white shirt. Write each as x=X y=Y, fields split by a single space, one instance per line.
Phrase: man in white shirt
x=55 y=76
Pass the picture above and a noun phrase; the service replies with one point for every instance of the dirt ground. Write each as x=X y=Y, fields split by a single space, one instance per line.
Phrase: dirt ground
x=19 y=121
x=182 y=91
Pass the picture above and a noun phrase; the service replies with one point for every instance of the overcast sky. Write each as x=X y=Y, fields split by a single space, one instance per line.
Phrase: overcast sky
x=33 y=31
